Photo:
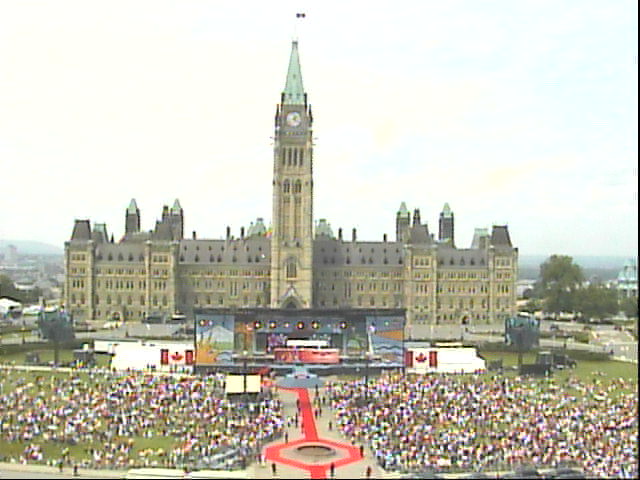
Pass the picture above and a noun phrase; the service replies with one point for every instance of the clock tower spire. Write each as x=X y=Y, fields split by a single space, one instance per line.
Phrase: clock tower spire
x=292 y=238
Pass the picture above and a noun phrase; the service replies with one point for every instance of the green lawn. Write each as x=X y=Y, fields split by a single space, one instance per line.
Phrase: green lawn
x=586 y=371
x=46 y=356
x=53 y=450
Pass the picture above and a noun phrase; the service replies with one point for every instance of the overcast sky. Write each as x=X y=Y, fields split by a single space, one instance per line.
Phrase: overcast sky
x=513 y=112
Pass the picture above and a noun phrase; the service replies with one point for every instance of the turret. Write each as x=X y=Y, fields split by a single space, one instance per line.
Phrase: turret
x=446 y=226
x=132 y=219
x=176 y=220
x=403 y=221
x=416 y=217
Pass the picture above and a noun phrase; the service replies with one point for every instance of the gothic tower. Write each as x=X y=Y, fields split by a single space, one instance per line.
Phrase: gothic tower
x=132 y=219
x=446 y=228
x=292 y=237
x=176 y=219
x=402 y=223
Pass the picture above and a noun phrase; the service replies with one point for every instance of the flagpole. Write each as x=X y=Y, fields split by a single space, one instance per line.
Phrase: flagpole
x=299 y=16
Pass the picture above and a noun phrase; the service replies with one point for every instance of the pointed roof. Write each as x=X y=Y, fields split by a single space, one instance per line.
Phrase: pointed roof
x=176 y=207
x=81 y=230
x=133 y=207
x=478 y=235
x=324 y=228
x=293 y=90
x=403 y=209
x=99 y=233
x=446 y=211
x=500 y=236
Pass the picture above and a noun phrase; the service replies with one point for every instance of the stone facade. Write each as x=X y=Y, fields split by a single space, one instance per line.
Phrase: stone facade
x=294 y=265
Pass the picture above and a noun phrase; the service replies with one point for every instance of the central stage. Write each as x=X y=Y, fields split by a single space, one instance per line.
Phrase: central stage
x=227 y=339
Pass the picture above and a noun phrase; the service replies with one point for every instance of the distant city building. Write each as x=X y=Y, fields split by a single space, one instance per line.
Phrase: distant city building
x=627 y=283
x=294 y=263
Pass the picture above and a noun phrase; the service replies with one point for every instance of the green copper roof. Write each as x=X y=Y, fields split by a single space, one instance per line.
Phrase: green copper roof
x=403 y=209
x=133 y=208
x=293 y=90
x=176 y=207
x=446 y=210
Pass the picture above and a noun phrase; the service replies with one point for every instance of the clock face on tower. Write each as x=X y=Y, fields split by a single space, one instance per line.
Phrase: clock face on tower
x=294 y=119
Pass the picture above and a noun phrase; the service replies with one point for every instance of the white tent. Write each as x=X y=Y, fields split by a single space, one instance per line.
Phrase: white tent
x=6 y=304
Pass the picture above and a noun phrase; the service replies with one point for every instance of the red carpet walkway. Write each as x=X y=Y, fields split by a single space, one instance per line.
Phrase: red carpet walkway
x=281 y=452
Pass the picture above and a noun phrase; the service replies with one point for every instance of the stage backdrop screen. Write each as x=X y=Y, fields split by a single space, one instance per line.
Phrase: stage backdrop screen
x=214 y=338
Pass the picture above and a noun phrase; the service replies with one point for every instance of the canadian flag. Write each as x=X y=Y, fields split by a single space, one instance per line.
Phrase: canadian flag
x=173 y=357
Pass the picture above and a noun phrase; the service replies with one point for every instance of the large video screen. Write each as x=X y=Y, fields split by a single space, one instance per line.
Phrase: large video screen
x=523 y=332
x=343 y=333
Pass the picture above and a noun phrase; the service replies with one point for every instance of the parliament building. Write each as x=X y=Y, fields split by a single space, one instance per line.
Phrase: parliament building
x=296 y=263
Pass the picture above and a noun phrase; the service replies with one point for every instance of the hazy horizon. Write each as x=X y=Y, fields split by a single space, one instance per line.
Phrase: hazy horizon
x=516 y=113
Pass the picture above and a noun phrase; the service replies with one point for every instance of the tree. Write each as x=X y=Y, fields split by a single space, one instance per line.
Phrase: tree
x=560 y=279
x=8 y=288
x=629 y=305
x=597 y=301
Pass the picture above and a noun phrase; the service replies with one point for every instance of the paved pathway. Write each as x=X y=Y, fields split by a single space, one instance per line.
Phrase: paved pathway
x=348 y=462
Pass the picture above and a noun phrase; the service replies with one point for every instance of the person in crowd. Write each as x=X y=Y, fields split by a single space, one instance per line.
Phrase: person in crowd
x=111 y=409
x=476 y=422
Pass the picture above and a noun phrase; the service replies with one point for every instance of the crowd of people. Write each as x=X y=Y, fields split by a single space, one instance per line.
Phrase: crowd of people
x=480 y=423
x=107 y=412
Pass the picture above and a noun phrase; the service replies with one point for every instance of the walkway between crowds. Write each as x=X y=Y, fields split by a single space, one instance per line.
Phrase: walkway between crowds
x=348 y=463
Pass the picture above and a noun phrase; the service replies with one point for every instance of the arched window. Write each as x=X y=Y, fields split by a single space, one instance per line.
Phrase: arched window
x=110 y=257
x=286 y=186
x=301 y=157
x=120 y=258
x=297 y=188
x=291 y=269
x=131 y=257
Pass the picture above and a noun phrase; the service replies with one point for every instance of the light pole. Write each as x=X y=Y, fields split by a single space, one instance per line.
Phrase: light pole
x=366 y=377
x=367 y=358
x=244 y=375
x=195 y=342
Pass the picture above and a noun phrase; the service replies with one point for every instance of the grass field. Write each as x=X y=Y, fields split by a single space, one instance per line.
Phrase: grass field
x=11 y=379
x=47 y=356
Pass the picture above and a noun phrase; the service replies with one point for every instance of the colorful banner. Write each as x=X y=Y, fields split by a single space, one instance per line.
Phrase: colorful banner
x=385 y=335
x=214 y=339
